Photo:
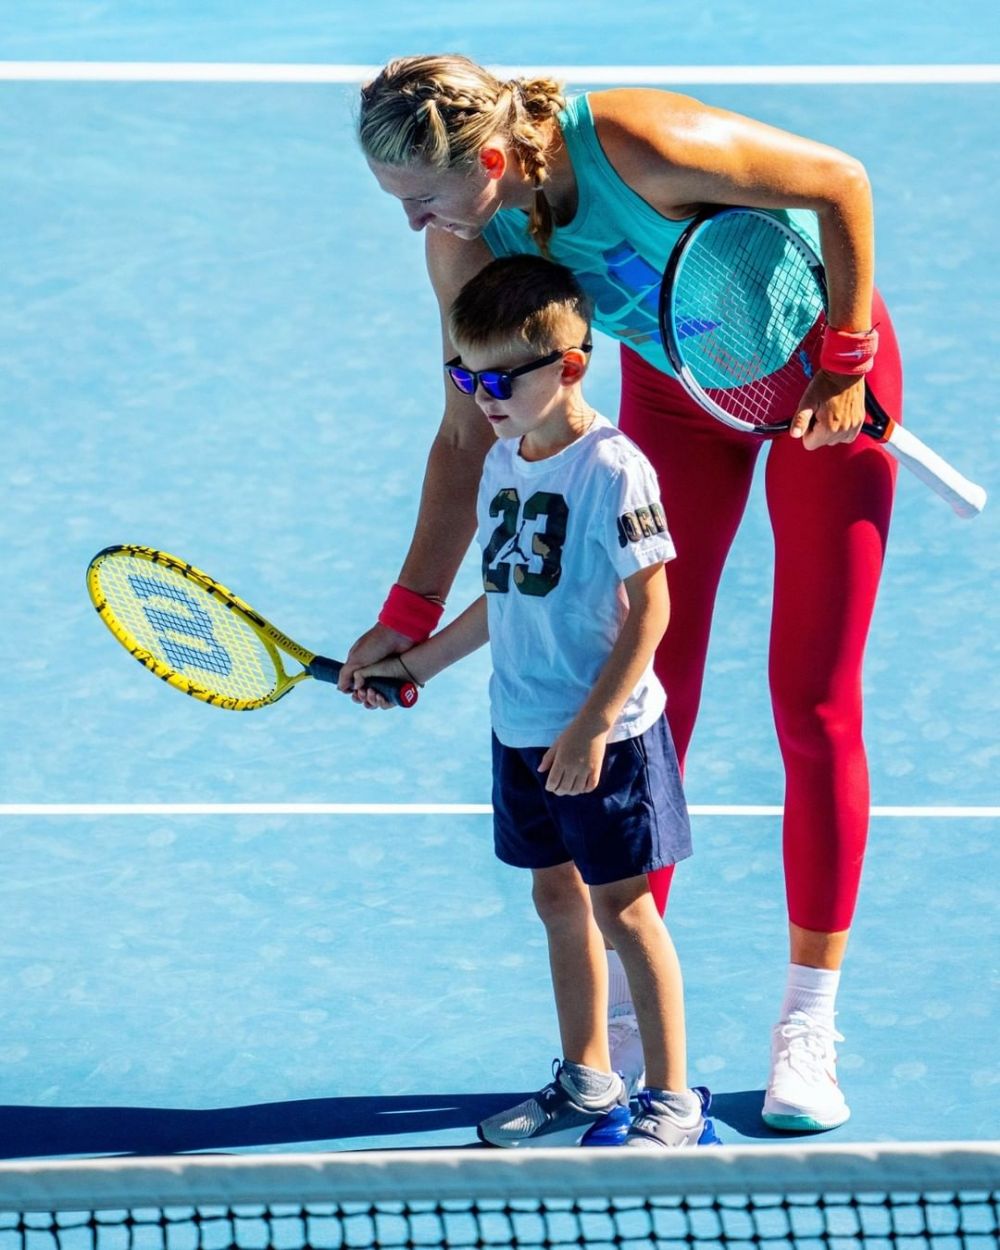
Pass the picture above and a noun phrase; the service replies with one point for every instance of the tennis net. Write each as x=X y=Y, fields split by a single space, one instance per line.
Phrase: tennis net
x=900 y=1197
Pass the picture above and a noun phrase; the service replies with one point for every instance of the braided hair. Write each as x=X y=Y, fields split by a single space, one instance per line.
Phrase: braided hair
x=442 y=110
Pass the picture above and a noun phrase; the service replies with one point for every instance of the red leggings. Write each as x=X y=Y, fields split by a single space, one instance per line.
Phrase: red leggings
x=829 y=512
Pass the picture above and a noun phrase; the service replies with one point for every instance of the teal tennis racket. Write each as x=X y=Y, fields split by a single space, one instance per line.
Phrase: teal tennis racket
x=742 y=313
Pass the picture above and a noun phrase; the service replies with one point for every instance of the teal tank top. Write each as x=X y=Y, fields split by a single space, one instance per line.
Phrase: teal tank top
x=617 y=245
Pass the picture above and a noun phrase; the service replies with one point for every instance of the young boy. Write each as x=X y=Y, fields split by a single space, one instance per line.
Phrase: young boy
x=586 y=789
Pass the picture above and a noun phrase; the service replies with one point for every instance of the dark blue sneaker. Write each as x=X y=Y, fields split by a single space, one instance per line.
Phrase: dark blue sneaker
x=559 y=1116
x=656 y=1126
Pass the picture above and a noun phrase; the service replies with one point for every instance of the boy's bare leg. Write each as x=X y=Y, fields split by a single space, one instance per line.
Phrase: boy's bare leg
x=628 y=919
x=578 y=964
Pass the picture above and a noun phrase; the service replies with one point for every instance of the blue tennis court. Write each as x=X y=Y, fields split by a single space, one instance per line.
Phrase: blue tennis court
x=218 y=339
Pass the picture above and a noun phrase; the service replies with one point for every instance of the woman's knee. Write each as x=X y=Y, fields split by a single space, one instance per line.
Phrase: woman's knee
x=815 y=725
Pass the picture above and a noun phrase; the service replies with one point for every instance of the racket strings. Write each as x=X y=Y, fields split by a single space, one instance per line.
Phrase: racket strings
x=185 y=629
x=747 y=315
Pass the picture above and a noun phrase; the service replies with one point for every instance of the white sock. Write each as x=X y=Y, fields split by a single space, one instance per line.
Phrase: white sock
x=812 y=990
x=619 y=994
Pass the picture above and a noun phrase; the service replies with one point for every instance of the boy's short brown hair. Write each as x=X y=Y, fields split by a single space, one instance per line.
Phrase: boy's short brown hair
x=522 y=299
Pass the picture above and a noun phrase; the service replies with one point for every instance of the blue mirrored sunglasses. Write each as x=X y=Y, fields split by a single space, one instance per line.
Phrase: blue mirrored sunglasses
x=498 y=383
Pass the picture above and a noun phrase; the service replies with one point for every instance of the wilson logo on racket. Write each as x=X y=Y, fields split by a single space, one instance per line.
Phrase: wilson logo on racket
x=183 y=629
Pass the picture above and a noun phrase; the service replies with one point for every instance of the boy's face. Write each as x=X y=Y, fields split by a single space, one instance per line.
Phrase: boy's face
x=537 y=397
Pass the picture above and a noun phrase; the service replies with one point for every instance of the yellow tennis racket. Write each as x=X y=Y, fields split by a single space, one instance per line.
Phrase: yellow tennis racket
x=197 y=636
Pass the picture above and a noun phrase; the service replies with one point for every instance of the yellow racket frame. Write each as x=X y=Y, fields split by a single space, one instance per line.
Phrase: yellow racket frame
x=270 y=638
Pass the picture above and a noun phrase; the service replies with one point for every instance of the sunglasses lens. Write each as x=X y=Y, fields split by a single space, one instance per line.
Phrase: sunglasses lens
x=463 y=379
x=496 y=385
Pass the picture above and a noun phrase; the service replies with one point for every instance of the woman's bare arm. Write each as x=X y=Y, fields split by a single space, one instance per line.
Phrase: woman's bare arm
x=446 y=520
x=681 y=155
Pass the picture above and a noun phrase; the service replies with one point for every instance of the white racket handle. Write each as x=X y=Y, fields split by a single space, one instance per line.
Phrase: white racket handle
x=967 y=498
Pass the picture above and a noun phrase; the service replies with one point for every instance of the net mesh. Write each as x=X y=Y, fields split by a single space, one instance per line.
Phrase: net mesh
x=545 y=1202
x=185 y=628
x=943 y=1221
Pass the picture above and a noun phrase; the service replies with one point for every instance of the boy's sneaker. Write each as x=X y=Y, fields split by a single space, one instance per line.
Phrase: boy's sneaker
x=559 y=1115
x=657 y=1126
x=626 y=1049
x=802 y=1093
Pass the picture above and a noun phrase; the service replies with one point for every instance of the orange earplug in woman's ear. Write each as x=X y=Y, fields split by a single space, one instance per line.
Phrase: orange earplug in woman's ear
x=493 y=161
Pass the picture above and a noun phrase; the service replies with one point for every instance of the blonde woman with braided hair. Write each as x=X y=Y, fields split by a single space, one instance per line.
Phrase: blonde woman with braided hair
x=604 y=183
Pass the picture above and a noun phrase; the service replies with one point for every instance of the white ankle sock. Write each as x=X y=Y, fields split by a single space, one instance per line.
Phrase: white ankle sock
x=619 y=994
x=812 y=990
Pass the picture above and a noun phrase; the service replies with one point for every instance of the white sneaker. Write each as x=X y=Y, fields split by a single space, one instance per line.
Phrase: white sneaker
x=626 y=1049
x=802 y=1093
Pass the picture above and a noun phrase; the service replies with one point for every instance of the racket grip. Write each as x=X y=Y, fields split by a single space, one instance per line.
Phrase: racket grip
x=399 y=693
x=966 y=498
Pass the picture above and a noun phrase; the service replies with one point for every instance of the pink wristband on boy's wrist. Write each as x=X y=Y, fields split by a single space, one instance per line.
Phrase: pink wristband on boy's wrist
x=410 y=614
x=847 y=351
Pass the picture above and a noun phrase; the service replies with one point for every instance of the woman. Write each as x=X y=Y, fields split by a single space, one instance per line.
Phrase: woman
x=604 y=184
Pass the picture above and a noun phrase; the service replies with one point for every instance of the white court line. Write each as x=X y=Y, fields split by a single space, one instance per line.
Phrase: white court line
x=237 y=72
x=418 y=809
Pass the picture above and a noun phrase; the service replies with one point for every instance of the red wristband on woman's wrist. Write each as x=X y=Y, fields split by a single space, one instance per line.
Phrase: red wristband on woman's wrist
x=415 y=616
x=844 y=351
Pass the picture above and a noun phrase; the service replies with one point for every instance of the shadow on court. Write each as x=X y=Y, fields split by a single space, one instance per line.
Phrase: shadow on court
x=34 y=1132
x=740 y=1111
x=37 y=1132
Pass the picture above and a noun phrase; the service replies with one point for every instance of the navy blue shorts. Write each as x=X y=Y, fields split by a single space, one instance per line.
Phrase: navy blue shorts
x=634 y=822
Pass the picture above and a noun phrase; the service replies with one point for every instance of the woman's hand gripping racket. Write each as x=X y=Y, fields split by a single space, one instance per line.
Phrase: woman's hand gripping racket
x=199 y=637
x=742 y=312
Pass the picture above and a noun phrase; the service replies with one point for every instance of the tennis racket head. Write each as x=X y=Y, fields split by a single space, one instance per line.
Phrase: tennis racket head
x=187 y=628
x=742 y=312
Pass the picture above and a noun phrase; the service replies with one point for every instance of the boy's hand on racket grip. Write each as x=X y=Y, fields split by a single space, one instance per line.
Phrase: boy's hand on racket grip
x=573 y=762
x=365 y=694
x=392 y=691
x=832 y=410
x=371 y=647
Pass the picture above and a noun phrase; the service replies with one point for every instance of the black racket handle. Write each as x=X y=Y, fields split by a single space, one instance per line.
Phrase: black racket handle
x=399 y=693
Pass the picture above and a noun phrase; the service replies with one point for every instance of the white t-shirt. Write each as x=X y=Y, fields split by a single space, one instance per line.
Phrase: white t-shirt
x=558 y=538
